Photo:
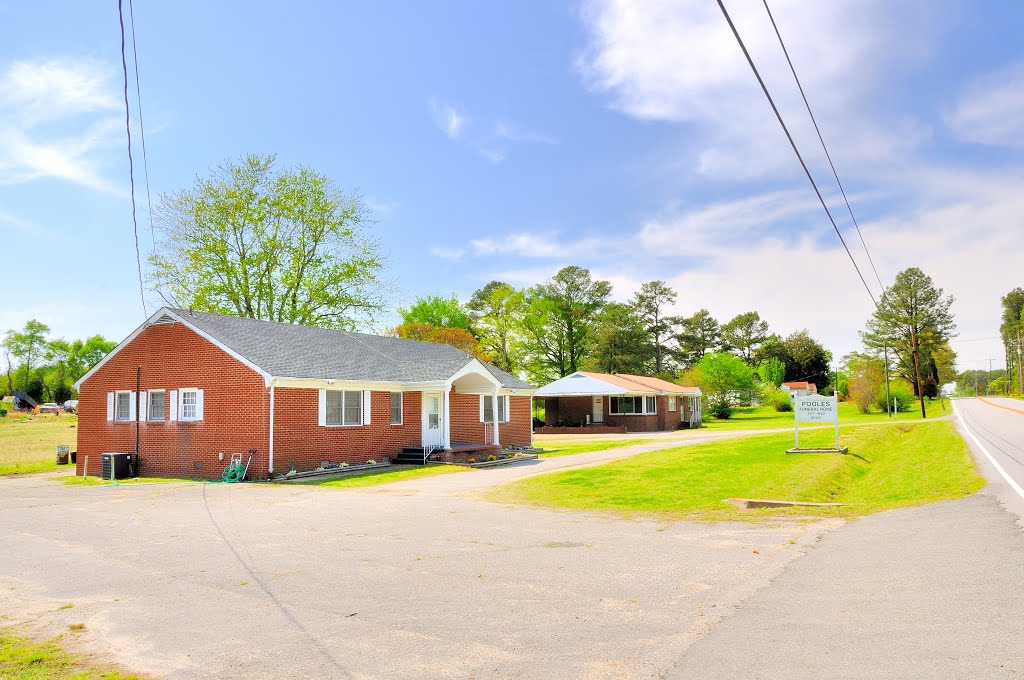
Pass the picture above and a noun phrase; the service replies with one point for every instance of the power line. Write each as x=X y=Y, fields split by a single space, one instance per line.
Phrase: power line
x=823 y=145
x=796 y=150
x=142 y=126
x=131 y=164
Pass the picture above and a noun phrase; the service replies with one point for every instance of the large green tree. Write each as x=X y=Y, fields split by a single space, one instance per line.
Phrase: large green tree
x=437 y=310
x=27 y=348
x=620 y=341
x=912 y=314
x=721 y=376
x=698 y=335
x=559 y=320
x=496 y=312
x=263 y=242
x=1012 y=331
x=650 y=303
x=806 y=359
x=744 y=334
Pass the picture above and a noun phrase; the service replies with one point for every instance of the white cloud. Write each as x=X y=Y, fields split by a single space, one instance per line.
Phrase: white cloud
x=549 y=245
x=56 y=117
x=991 y=110
x=494 y=156
x=447 y=118
x=514 y=133
x=448 y=253
x=676 y=61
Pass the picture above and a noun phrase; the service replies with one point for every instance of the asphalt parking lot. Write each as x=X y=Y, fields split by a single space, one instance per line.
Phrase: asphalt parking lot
x=411 y=580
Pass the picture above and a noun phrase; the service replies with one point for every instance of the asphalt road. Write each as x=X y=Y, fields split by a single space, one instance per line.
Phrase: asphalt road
x=417 y=579
x=927 y=592
x=994 y=427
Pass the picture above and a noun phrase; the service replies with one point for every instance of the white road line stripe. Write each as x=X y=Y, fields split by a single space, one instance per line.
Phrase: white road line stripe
x=999 y=468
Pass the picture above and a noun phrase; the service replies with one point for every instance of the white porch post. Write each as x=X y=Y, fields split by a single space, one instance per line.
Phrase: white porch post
x=446 y=429
x=270 y=456
x=494 y=414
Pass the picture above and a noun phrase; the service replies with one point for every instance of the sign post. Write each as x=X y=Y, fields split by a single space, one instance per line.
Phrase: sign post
x=816 y=409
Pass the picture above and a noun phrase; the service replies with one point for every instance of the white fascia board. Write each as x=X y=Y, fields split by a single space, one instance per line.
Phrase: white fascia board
x=372 y=385
x=165 y=311
x=475 y=367
x=578 y=385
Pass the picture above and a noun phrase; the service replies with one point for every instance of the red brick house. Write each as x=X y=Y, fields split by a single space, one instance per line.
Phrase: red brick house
x=186 y=387
x=618 y=402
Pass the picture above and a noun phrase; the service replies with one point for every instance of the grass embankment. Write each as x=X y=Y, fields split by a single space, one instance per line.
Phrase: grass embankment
x=21 y=658
x=765 y=417
x=888 y=467
x=553 y=448
x=395 y=473
x=30 y=444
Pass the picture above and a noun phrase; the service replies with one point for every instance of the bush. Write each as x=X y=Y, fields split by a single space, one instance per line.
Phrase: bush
x=777 y=398
x=720 y=410
x=899 y=391
x=3 y=412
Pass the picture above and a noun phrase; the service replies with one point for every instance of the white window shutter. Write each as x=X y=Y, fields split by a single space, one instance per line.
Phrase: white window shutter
x=131 y=406
x=143 y=405
x=199 y=404
x=366 y=407
x=172 y=398
x=322 y=414
x=508 y=407
x=110 y=405
x=482 y=397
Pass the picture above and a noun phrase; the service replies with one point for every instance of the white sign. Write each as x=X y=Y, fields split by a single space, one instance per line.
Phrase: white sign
x=816 y=409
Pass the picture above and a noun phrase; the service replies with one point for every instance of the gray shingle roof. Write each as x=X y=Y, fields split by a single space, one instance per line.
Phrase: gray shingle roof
x=292 y=351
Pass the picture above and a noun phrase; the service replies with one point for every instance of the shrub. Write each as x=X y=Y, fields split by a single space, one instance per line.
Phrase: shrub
x=720 y=410
x=777 y=398
x=899 y=391
x=3 y=412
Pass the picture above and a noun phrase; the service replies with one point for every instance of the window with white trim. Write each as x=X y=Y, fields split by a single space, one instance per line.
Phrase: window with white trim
x=344 y=408
x=633 y=406
x=671 y=403
x=189 y=405
x=487 y=413
x=155 y=406
x=396 y=408
x=123 y=406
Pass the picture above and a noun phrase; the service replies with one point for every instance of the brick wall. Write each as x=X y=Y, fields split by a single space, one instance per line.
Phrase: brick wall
x=172 y=357
x=466 y=427
x=299 y=439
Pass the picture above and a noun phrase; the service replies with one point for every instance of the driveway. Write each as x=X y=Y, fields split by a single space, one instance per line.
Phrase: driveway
x=410 y=580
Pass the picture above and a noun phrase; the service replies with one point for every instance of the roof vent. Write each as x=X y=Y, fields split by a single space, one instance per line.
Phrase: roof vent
x=165 y=318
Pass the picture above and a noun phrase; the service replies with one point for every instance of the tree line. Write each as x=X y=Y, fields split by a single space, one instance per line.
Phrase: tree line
x=46 y=368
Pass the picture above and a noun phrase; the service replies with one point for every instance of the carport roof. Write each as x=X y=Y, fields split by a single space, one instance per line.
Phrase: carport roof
x=584 y=383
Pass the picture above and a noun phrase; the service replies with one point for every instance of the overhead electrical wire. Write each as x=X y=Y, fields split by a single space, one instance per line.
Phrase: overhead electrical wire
x=142 y=125
x=796 y=150
x=824 y=147
x=131 y=164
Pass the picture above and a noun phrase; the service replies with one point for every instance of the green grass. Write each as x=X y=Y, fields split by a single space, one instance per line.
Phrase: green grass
x=888 y=467
x=765 y=417
x=395 y=473
x=555 y=448
x=24 y=659
x=30 y=444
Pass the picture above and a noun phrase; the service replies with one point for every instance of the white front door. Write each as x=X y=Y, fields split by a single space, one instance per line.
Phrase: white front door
x=598 y=416
x=432 y=425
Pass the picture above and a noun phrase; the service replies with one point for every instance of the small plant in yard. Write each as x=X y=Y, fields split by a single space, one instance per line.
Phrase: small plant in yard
x=492 y=457
x=720 y=409
x=342 y=464
x=471 y=460
x=900 y=392
x=371 y=462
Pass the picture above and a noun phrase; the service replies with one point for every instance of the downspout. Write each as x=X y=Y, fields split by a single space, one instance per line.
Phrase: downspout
x=270 y=448
x=531 y=421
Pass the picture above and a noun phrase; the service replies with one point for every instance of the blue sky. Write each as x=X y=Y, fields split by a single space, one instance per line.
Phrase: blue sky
x=506 y=141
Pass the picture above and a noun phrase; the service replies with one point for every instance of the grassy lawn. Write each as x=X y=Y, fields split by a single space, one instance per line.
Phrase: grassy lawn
x=26 y=660
x=765 y=417
x=395 y=473
x=888 y=467
x=30 y=444
x=555 y=448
